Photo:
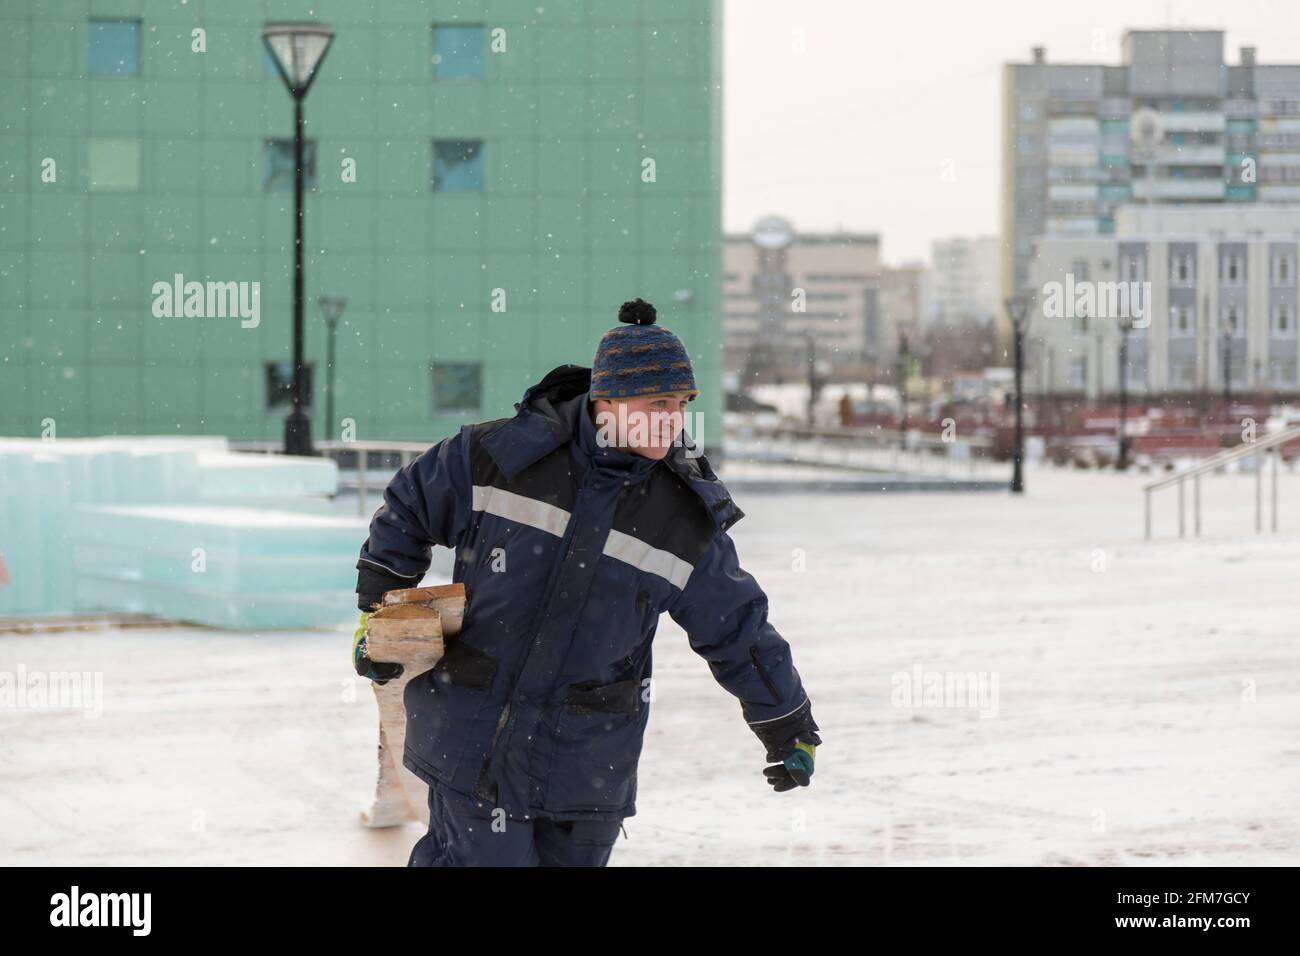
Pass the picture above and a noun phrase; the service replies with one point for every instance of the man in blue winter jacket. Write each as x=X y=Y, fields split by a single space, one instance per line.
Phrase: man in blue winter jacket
x=572 y=536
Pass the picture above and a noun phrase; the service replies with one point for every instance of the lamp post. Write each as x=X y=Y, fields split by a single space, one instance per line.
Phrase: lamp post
x=1227 y=369
x=298 y=50
x=1125 y=327
x=904 y=365
x=331 y=306
x=1018 y=311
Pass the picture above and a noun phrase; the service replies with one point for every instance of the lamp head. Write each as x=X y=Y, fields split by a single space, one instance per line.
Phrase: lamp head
x=298 y=50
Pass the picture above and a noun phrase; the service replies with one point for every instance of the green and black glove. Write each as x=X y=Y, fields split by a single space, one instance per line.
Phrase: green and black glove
x=378 y=672
x=795 y=770
x=791 y=743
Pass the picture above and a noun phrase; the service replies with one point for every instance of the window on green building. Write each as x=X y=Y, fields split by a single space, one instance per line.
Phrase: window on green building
x=279 y=385
x=458 y=51
x=457 y=165
x=114 y=47
x=113 y=164
x=457 y=386
x=277 y=168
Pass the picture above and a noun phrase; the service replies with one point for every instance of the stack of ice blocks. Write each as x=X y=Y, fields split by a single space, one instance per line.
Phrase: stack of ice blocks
x=179 y=528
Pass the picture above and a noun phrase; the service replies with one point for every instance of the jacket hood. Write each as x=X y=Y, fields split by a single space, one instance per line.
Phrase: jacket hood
x=546 y=417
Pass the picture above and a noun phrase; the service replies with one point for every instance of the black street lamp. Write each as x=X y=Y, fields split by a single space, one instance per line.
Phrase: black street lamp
x=904 y=364
x=1125 y=327
x=298 y=50
x=815 y=382
x=1227 y=369
x=1018 y=311
x=331 y=306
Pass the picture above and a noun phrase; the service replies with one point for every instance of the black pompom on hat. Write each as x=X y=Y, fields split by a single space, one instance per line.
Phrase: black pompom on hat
x=637 y=312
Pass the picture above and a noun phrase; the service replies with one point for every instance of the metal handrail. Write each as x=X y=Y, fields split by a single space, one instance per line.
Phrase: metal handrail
x=1269 y=443
x=1218 y=459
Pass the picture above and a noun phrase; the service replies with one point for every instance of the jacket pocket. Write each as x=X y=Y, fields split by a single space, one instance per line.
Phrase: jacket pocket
x=767 y=681
x=620 y=697
x=464 y=666
x=597 y=747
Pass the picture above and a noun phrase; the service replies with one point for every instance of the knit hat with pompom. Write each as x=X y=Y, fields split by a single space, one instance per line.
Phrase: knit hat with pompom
x=640 y=358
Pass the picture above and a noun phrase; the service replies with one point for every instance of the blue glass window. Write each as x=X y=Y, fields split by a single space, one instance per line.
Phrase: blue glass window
x=457 y=165
x=457 y=386
x=277 y=168
x=279 y=384
x=114 y=48
x=458 y=51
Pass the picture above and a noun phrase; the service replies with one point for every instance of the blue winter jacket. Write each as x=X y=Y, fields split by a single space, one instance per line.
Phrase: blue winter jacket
x=569 y=553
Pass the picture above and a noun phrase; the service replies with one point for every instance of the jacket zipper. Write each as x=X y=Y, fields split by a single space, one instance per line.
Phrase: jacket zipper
x=570 y=534
x=767 y=681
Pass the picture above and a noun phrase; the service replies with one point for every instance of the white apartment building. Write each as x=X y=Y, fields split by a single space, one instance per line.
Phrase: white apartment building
x=1222 y=297
x=964 y=281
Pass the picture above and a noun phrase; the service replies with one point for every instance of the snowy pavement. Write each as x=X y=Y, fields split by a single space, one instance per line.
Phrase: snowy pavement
x=1147 y=705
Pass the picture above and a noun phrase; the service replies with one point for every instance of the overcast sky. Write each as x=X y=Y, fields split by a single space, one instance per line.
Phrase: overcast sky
x=855 y=131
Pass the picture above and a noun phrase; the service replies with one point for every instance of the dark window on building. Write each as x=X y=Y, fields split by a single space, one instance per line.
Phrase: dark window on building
x=458 y=51
x=279 y=385
x=114 y=48
x=277 y=165
x=457 y=165
x=457 y=386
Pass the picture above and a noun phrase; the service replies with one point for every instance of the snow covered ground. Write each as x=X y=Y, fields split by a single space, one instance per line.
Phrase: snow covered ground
x=1147 y=705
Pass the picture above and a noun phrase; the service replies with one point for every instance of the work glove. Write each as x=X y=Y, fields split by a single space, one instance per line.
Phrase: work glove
x=795 y=770
x=793 y=741
x=380 y=673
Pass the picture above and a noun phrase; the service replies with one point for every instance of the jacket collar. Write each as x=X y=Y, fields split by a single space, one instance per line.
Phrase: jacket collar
x=554 y=412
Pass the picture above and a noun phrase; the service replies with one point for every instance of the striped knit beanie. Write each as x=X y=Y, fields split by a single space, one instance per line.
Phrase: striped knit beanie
x=640 y=358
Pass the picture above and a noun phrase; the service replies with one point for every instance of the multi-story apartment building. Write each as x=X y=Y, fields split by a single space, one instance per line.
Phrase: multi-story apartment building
x=1206 y=132
x=1222 y=297
x=900 y=310
x=963 y=283
x=487 y=180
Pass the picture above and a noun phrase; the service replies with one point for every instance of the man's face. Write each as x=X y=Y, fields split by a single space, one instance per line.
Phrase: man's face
x=647 y=425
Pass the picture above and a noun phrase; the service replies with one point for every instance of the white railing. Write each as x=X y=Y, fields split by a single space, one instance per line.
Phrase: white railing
x=365 y=452
x=859 y=449
x=1262 y=446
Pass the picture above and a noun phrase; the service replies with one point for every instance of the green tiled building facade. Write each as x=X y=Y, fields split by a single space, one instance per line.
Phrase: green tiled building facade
x=492 y=179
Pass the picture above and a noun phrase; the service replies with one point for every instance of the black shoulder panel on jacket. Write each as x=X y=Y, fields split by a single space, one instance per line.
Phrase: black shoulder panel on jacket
x=551 y=479
x=666 y=514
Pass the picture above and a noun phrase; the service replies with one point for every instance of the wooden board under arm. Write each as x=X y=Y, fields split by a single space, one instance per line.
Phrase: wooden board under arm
x=408 y=629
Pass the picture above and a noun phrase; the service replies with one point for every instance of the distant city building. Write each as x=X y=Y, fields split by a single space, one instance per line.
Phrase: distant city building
x=901 y=303
x=963 y=284
x=1222 y=290
x=781 y=286
x=1173 y=123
